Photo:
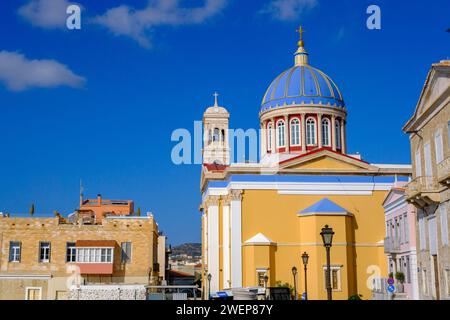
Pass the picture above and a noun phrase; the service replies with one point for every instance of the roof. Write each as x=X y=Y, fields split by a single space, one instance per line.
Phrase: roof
x=95 y=243
x=259 y=239
x=302 y=85
x=324 y=206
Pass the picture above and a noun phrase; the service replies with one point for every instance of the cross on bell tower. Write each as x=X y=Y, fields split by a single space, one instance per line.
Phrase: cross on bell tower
x=215 y=134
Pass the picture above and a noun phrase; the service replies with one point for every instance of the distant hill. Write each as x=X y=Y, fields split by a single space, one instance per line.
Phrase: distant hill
x=191 y=249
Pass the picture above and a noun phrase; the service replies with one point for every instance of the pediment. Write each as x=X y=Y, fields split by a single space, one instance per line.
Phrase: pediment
x=325 y=160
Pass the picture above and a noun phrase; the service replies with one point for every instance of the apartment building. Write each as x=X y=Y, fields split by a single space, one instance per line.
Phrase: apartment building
x=429 y=132
x=400 y=241
x=42 y=257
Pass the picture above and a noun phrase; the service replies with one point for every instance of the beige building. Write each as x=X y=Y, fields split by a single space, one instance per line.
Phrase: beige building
x=429 y=131
x=42 y=257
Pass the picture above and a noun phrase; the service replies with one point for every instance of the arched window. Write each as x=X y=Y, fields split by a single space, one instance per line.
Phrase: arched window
x=269 y=137
x=209 y=136
x=295 y=132
x=216 y=135
x=326 y=132
x=311 y=131
x=338 y=134
x=280 y=133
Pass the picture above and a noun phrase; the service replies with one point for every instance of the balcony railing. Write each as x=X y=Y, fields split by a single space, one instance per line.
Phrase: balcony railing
x=423 y=190
x=391 y=245
x=443 y=172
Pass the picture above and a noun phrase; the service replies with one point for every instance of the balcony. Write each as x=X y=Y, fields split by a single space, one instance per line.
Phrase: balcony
x=95 y=257
x=443 y=172
x=391 y=246
x=423 y=191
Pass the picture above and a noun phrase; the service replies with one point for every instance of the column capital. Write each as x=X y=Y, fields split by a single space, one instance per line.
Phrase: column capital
x=211 y=201
x=236 y=195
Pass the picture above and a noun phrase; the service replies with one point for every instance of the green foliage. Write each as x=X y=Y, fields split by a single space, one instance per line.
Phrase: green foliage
x=32 y=209
x=355 y=297
x=391 y=275
x=400 y=277
x=138 y=213
x=279 y=284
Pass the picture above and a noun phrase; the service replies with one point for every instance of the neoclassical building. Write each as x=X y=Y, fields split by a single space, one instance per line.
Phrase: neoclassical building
x=258 y=218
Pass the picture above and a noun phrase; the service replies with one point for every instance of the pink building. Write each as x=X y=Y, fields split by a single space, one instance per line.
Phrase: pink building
x=400 y=242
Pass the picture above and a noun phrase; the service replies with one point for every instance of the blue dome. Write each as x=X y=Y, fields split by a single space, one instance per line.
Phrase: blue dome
x=299 y=85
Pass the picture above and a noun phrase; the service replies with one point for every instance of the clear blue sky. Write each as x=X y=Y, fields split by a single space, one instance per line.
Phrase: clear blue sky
x=113 y=129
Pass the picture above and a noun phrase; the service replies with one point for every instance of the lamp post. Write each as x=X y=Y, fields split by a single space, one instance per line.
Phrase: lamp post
x=294 y=273
x=305 y=258
x=327 y=238
x=266 y=280
x=209 y=285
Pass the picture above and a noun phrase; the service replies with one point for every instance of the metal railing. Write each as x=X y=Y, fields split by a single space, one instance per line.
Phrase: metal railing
x=391 y=245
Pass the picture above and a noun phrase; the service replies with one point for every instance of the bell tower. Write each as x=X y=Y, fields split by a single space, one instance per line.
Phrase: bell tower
x=216 y=148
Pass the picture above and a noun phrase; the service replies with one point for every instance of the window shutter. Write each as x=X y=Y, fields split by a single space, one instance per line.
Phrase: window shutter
x=428 y=166
x=432 y=235
x=444 y=224
x=439 y=147
x=418 y=164
x=10 y=251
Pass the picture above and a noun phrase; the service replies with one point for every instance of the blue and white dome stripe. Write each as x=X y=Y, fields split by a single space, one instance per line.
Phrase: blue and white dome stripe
x=302 y=85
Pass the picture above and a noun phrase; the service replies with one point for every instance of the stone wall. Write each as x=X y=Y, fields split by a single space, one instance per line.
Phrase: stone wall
x=108 y=292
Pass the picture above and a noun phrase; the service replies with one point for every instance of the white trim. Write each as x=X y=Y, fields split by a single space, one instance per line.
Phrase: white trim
x=226 y=246
x=315 y=131
x=33 y=288
x=299 y=132
x=309 y=214
x=339 y=277
x=213 y=255
x=277 y=130
x=293 y=188
x=236 y=244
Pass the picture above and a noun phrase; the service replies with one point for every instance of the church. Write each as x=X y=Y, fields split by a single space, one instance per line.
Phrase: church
x=259 y=218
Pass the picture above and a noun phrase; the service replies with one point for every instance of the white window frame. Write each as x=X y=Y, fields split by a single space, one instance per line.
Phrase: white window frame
x=17 y=252
x=269 y=136
x=33 y=288
x=45 y=256
x=339 y=277
x=72 y=255
x=326 y=136
x=295 y=132
x=281 y=139
x=263 y=271
x=311 y=130
x=87 y=254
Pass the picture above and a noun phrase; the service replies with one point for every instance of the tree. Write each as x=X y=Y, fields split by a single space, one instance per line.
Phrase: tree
x=32 y=209
x=138 y=213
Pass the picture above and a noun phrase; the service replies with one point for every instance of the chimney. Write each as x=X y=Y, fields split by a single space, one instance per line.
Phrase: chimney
x=99 y=199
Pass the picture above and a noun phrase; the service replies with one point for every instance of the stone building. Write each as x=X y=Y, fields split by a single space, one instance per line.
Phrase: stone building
x=43 y=257
x=429 y=132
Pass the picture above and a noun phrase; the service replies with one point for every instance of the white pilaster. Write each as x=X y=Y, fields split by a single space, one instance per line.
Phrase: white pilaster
x=333 y=132
x=226 y=247
x=213 y=245
x=303 y=132
x=236 y=239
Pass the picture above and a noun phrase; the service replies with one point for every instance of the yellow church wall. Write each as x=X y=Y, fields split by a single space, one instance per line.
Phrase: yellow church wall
x=325 y=163
x=356 y=245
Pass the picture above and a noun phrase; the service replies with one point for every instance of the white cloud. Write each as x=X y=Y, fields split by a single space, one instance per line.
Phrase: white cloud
x=288 y=10
x=18 y=73
x=135 y=23
x=48 y=14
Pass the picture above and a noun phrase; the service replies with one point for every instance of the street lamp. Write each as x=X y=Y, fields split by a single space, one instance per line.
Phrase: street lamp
x=327 y=238
x=266 y=280
x=305 y=258
x=209 y=285
x=294 y=273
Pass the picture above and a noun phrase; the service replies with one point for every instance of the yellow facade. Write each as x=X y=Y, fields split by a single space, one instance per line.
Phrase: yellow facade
x=273 y=210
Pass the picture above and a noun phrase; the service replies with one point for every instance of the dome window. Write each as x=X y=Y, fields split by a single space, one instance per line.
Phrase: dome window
x=326 y=132
x=311 y=132
x=295 y=132
x=280 y=134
